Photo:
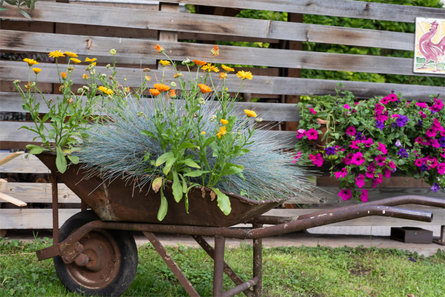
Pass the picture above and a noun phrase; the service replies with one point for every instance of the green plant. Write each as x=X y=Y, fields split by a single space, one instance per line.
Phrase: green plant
x=20 y=5
x=366 y=140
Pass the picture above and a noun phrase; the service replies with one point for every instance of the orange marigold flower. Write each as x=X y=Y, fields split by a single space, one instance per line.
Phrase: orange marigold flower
x=147 y=78
x=76 y=61
x=161 y=87
x=215 y=50
x=154 y=92
x=250 y=113
x=56 y=54
x=63 y=75
x=36 y=70
x=209 y=67
x=30 y=62
x=90 y=60
x=159 y=48
x=177 y=74
x=172 y=93
x=222 y=131
x=85 y=76
x=164 y=62
x=71 y=54
x=28 y=85
x=105 y=90
x=223 y=121
x=222 y=75
x=204 y=88
x=227 y=68
x=199 y=62
x=244 y=74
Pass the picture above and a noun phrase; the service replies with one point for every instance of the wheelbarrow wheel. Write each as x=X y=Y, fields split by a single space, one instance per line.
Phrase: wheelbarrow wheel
x=111 y=261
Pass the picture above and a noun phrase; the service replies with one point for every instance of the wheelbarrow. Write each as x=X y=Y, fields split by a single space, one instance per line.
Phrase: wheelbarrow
x=95 y=253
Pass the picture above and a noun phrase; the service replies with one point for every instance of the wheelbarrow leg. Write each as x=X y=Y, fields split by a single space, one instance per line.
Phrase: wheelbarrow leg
x=55 y=207
x=218 y=268
x=258 y=263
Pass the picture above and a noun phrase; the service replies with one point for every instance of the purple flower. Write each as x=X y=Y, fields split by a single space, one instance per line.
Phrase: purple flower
x=402 y=120
x=423 y=168
x=350 y=131
x=398 y=144
x=442 y=141
x=330 y=150
x=379 y=124
x=403 y=153
x=435 y=187
x=419 y=123
x=359 y=136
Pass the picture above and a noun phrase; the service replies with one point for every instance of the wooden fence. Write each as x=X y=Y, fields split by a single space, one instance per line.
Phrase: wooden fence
x=91 y=29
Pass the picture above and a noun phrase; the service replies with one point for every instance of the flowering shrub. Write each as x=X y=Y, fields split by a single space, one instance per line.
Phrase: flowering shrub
x=364 y=141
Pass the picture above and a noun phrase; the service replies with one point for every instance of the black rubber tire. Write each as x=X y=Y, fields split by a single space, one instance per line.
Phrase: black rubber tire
x=125 y=246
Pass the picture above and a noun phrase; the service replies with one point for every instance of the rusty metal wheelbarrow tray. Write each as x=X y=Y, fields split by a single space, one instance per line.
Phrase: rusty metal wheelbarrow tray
x=122 y=201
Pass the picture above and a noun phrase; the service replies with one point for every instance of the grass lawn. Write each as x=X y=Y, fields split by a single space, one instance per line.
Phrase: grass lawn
x=287 y=271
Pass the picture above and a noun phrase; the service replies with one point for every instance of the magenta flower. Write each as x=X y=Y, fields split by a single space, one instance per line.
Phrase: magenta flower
x=382 y=147
x=342 y=173
x=296 y=158
x=317 y=159
x=360 y=180
x=431 y=133
x=364 y=195
x=422 y=104
x=392 y=97
x=385 y=100
x=312 y=110
x=418 y=162
x=368 y=142
x=312 y=134
x=350 y=131
x=357 y=159
x=380 y=160
x=345 y=194
x=346 y=106
x=441 y=168
x=387 y=172
x=354 y=144
x=392 y=165
x=301 y=133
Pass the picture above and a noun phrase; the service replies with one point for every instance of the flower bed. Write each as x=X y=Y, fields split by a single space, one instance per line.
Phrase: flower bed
x=368 y=140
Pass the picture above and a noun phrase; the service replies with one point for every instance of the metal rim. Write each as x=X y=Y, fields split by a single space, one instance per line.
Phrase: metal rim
x=104 y=261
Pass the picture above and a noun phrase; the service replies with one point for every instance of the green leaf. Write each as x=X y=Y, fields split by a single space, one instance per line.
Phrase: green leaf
x=176 y=187
x=148 y=133
x=60 y=160
x=24 y=13
x=157 y=183
x=74 y=159
x=168 y=165
x=231 y=168
x=223 y=201
x=209 y=141
x=162 y=212
x=191 y=163
x=195 y=173
x=186 y=145
x=163 y=158
x=36 y=149
x=184 y=185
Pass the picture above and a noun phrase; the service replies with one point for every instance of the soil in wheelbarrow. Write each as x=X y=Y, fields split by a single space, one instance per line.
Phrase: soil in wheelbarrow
x=122 y=200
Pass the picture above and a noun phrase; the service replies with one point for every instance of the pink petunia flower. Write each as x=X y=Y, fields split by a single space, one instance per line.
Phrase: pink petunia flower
x=312 y=134
x=441 y=168
x=368 y=142
x=357 y=159
x=380 y=160
x=360 y=180
x=296 y=158
x=346 y=106
x=345 y=194
x=382 y=147
x=387 y=172
x=364 y=195
x=350 y=131
x=354 y=144
x=301 y=133
x=312 y=110
x=418 y=162
x=422 y=104
x=317 y=159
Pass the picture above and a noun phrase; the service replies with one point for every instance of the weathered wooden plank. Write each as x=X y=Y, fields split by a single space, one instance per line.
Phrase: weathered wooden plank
x=341 y=8
x=281 y=112
x=10 y=70
x=23 y=164
x=32 y=218
x=137 y=50
x=39 y=192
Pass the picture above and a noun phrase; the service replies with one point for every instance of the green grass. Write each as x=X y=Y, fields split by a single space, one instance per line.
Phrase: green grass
x=287 y=271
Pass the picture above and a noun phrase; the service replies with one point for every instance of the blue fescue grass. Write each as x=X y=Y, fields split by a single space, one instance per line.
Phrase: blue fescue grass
x=116 y=148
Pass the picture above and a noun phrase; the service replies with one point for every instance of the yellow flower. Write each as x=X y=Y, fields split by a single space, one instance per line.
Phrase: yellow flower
x=227 y=68
x=76 y=61
x=172 y=93
x=71 y=54
x=106 y=90
x=112 y=52
x=147 y=78
x=177 y=74
x=36 y=70
x=56 y=54
x=224 y=122
x=204 y=88
x=63 y=75
x=244 y=74
x=203 y=132
x=199 y=62
x=250 y=113
x=222 y=131
x=161 y=87
x=30 y=62
x=215 y=50
x=159 y=48
x=154 y=92
x=85 y=76
x=222 y=75
x=90 y=60
x=164 y=62
x=209 y=67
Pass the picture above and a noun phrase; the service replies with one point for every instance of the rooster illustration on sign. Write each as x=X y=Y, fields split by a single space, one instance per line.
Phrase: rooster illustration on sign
x=430 y=50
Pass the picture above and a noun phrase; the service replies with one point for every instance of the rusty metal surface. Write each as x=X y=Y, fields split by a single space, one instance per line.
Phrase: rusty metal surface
x=242 y=287
x=258 y=264
x=55 y=206
x=218 y=266
x=186 y=284
x=122 y=201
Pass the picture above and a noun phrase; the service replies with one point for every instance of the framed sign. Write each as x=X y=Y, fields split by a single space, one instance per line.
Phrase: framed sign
x=429 y=52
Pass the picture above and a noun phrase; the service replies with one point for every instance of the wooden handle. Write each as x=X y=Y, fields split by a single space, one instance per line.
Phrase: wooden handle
x=8 y=198
x=10 y=157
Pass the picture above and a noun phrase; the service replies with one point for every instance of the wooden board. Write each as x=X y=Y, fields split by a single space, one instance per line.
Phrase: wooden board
x=39 y=193
x=23 y=164
x=258 y=85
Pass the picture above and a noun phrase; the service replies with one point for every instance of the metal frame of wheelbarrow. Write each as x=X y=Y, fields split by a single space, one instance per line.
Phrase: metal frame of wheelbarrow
x=69 y=249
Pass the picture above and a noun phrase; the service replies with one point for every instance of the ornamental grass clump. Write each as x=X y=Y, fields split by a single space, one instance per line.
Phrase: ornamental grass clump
x=364 y=141
x=188 y=135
